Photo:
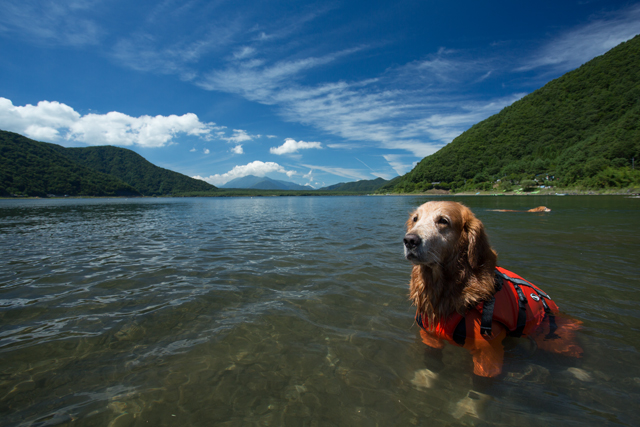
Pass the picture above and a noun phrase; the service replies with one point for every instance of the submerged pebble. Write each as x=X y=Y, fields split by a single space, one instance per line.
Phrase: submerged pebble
x=580 y=374
x=424 y=378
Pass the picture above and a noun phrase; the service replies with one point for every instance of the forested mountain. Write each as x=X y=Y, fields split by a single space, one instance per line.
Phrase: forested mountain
x=582 y=129
x=32 y=168
x=135 y=170
x=357 y=186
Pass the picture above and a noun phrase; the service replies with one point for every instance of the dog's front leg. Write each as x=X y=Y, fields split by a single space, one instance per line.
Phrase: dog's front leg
x=431 y=339
x=487 y=352
x=433 y=351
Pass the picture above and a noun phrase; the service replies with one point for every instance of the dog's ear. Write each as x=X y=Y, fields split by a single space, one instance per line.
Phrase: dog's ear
x=479 y=250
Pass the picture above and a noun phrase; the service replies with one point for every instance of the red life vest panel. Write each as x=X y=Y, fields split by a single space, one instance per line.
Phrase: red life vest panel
x=518 y=304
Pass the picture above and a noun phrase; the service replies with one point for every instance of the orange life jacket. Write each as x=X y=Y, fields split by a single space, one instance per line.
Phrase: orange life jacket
x=518 y=304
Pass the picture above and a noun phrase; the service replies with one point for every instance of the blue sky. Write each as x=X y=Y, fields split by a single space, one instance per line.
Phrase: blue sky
x=310 y=92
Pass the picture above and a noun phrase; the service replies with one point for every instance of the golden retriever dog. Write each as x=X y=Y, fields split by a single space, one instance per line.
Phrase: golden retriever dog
x=464 y=298
x=538 y=209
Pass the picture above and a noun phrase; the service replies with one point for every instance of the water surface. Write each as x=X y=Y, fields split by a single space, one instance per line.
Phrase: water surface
x=294 y=311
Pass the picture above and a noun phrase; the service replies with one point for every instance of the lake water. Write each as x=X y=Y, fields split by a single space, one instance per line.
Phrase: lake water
x=294 y=311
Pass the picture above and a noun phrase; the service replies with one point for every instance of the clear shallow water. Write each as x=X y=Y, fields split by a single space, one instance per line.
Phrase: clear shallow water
x=294 y=311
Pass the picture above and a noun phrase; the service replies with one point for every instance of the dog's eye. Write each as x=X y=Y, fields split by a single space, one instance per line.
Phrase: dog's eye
x=443 y=221
x=415 y=218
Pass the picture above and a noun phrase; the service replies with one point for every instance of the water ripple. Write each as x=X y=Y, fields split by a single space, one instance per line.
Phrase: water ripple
x=280 y=310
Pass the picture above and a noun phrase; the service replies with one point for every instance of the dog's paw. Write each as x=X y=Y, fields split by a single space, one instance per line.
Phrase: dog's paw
x=424 y=378
x=473 y=404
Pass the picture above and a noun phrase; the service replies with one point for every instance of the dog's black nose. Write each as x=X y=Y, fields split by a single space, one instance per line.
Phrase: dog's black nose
x=411 y=241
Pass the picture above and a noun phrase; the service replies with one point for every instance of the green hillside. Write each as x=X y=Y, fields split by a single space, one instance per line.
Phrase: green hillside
x=580 y=130
x=135 y=170
x=31 y=168
x=357 y=186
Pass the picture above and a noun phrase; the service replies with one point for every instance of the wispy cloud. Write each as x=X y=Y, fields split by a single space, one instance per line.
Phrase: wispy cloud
x=579 y=45
x=257 y=80
x=55 y=23
x=244 y=52
x=174 y=39
x=405 y=108
x=143 y=52
x=353 y=174
x=399 y=163
x=385 y=112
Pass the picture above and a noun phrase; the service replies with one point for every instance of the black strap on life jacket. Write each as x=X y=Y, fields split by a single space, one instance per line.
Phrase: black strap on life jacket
x=522 y=312
x=487 y=317
x=552 y=319
x=487 y=310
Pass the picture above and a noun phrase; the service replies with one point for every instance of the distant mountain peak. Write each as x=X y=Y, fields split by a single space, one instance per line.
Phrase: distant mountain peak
x=262 y=183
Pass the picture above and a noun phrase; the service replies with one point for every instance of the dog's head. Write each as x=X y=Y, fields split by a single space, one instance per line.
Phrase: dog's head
x=439 y=233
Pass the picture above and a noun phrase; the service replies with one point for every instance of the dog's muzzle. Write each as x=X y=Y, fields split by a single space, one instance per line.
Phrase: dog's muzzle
x=412 y=244
x=411 y=241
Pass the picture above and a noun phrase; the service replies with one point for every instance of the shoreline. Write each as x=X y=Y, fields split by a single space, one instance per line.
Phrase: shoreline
x=545 y=192
x=630 y=192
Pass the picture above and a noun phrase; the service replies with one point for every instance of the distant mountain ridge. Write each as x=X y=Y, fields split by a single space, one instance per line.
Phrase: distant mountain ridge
x=33 y=168
x=262 y=183
x=357 y=186
x=135 y=170
x=38 y=169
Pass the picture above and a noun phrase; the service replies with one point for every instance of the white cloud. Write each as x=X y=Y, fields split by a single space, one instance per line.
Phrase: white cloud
x=192 y=150
x=54 y=121
x=237 y=149
x=41 y=121
x=291 y=146
x=116 y=128
x=238 y=136
x=256 y=168
x=206 y=151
